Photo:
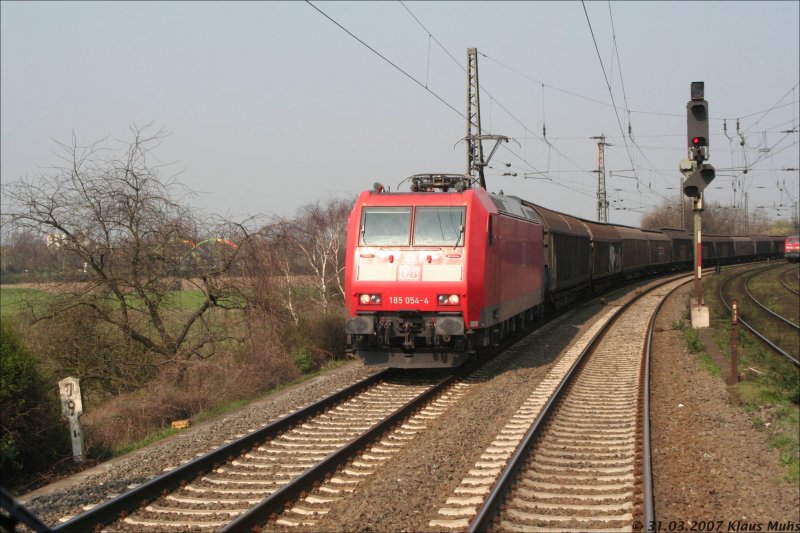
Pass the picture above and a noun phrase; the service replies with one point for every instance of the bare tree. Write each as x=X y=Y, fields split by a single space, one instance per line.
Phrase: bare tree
x=319 y=234
x=294 y=265
x=715 y=219
x=138 y=240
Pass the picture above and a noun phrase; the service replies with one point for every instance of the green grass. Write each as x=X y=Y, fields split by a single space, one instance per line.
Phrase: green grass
x=220 y=409
x=14 y=300
x=696 y=347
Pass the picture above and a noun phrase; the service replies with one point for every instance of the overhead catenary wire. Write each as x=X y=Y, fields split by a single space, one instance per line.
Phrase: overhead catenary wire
x=619 y=68
x=765 y=113
x=493 y=99
x=606 y=104
x=412 y=78
x=543 y=138
x=543 y=85
x=409 y=76
x=608 y=84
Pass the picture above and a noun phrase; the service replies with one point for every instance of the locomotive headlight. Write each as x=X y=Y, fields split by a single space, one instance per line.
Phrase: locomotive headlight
x=448 y=299
x=364 y=299
x=369 y=299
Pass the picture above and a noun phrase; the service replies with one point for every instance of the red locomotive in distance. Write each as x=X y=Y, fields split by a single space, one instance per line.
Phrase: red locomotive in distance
x=431 y=276
x=792 y=248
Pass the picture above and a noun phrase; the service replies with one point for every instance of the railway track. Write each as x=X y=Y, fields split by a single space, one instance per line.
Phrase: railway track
x=310 y=510
x=790 y=278
x=776 y=331
x=747 y=288
x=331 y=446
x=576 y=455
x=245 y=481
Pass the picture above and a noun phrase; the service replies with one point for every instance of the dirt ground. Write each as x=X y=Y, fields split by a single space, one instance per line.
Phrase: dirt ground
x=713 y=471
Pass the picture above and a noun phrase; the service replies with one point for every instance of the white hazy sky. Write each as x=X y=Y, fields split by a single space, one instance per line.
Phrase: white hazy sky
x=270 y=105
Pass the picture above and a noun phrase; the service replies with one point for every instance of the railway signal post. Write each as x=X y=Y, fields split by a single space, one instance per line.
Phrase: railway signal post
x=699 y=175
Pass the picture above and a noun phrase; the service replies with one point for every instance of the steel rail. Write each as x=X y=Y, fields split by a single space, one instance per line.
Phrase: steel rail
x=790 y=289
x=255 y=517
x=752 y=330
x=259 y=514
x=491 y=505
x=649 y=500
x=18 y=514
x=787 y=287
x=764 y=307
x=110 y=511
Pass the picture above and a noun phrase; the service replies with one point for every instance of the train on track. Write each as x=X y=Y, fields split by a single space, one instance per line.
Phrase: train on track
x=434 y=275
x=792 y=248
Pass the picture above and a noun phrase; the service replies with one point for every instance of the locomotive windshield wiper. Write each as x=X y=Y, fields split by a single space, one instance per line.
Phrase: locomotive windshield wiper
x=460 y=236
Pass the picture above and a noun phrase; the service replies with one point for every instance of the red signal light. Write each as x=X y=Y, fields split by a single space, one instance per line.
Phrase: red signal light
x=696 y=141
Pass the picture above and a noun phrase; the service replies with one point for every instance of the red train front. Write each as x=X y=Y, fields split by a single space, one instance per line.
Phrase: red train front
x=423 y=272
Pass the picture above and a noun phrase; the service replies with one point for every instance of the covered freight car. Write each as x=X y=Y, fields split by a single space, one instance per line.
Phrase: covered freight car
x=724 y=246
x=660 y=249
x=567 y=255
x=744 y=248
x=682 y=249
x=763 y=245
x=606 y=260
x=635 y=251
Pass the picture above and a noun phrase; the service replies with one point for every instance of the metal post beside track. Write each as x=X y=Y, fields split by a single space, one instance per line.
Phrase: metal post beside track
x=697 y=204
x=734 y=377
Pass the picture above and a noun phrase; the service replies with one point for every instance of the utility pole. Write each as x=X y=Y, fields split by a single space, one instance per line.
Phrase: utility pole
x=796 y=217
x=602 y=198
x=746 y=215
x=474 y=145
x=475 y=160
x=680 y=206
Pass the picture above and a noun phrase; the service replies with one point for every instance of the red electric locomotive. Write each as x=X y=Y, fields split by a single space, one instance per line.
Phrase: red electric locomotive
x=434 y=274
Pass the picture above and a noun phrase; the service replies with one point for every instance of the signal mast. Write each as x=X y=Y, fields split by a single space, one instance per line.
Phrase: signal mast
x=699 y=175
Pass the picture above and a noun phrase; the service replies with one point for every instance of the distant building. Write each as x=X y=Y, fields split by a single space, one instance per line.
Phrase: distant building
x=55 y=240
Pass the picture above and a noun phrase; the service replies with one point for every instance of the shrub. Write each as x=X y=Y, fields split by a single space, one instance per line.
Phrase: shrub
x=75 y=343
x=303 y=360
x=186 y=389
x=33 y=436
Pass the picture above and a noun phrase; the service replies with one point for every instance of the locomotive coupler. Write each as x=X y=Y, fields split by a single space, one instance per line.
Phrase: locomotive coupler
x=430 y=332
x=408 y=343
x=387 y=328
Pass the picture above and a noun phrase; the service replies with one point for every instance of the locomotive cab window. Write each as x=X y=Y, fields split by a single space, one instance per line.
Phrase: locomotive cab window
x=385 y=226
x=439 y=226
